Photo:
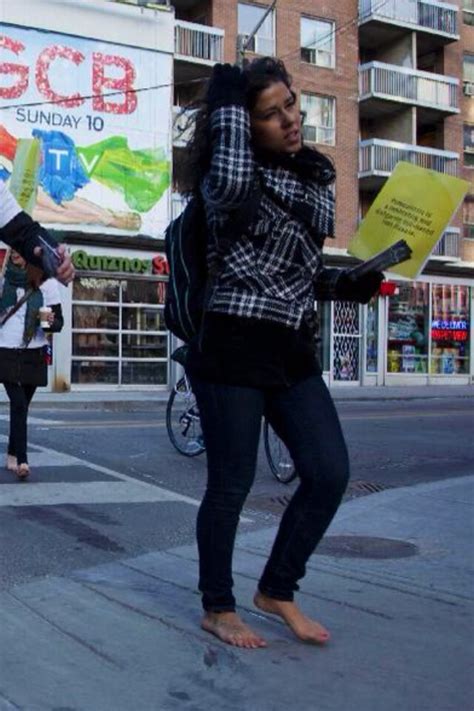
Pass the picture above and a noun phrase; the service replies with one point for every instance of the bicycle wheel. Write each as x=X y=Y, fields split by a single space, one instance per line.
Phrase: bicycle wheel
x=182 y=420
x=278 y=456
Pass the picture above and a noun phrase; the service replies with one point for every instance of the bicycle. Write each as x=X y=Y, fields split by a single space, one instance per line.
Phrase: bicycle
x=183 y=425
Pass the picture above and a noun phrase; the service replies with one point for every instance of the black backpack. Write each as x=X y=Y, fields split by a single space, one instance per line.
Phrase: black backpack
x=186 y=247
x=189 y=282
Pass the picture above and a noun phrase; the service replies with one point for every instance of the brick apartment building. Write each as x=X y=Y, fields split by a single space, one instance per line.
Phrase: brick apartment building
x=380 y=81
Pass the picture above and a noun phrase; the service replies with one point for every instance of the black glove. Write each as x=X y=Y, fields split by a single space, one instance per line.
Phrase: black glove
x=226 y=86
x=361 y=289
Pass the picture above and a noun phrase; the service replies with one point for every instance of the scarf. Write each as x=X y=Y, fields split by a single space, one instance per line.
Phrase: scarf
x=300 y=184
x=15 y=278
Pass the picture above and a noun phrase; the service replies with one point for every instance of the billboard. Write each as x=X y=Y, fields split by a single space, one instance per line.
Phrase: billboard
x=85 y=131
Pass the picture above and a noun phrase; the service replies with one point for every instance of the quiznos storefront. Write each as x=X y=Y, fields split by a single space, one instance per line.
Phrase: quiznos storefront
x=114 y=333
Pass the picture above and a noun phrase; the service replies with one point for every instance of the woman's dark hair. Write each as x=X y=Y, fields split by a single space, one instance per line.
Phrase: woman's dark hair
x=260 y=74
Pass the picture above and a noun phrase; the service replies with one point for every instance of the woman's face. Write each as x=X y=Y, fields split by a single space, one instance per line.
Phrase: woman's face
x=17 y=259
x=275 y=120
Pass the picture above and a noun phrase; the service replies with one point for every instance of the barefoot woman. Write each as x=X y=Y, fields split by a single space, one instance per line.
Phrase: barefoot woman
x=256 y=352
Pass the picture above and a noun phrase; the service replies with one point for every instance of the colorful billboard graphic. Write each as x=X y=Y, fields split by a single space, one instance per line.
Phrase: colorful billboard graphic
x=81 y=148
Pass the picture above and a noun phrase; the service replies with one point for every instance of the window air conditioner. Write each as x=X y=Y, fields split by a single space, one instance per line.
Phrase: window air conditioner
x=468 y=88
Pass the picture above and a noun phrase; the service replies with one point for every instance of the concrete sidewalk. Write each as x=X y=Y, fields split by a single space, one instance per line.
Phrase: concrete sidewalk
x=149 y=398
x=125 y=636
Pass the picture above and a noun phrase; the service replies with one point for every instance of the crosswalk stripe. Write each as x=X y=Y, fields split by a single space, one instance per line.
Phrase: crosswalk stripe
x=96 y=492
x=125 y=490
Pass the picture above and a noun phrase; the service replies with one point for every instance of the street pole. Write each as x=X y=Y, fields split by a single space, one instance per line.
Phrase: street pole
x=241 y=45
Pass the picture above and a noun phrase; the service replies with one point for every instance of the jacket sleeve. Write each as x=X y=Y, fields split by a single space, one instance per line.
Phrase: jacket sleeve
x=326 y=284
x=18 y=230
x=228 y=183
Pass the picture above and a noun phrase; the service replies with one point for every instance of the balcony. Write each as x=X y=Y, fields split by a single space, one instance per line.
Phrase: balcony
x=197 y=48
x=377 y=159
x=383 y=22
x=450 y=244
x=385 y=87
x=183 y=126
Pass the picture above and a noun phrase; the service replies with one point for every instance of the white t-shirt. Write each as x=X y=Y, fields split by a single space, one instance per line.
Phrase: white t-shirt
x=9 y=207
x=11 y=333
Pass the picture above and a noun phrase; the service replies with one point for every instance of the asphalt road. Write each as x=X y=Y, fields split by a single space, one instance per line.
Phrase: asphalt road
x=107 y=485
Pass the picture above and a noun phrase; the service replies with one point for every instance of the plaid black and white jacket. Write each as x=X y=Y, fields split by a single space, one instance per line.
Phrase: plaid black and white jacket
x=274 y=270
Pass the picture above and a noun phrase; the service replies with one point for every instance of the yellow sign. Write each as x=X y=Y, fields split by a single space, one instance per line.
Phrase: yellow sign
x=416 y=205
x=24 y=177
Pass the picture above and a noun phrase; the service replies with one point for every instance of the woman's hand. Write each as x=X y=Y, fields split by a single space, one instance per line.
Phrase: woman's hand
x=227 y=86
x=65 y=271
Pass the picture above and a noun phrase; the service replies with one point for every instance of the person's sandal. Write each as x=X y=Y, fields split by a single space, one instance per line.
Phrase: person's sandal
x=23 y=471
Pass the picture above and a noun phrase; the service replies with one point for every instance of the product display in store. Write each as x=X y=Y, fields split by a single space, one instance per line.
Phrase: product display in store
x=407 y=350
x=450 y=329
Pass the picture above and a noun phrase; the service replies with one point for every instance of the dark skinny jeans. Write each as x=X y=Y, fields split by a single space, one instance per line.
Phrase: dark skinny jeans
x=20 y=397
x=306 y=420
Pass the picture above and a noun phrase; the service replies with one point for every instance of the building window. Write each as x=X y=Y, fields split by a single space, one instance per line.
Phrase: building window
x=118 y=332
x=468 y=12
x=319 y=122
x=468 y=74
x=317 y=42
x=248 y=17
x=450 y=329
x=408 y=336
x=468 y=218
x=371 y=329
x=469 y=145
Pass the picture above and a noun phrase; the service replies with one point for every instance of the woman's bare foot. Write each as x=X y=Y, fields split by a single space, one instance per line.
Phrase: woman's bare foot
x=23 y=471
x=11 y=463
x=304 y=628
x=229 y=628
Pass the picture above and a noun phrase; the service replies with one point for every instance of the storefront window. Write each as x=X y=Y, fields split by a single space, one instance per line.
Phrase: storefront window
x=346 y=341
x=96 y=290
x=408 y=313
x=135 y=373
x=324 y=344
x=94 y=371
x=450 y=329
x=371 y=330
x=118 y=332
x=94 y=316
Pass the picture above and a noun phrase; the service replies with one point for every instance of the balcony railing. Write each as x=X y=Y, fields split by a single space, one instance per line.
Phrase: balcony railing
x=198 y=43
x=411 y=86
x=183 y=125
x=428 y=15
x=378 y=157
x=449 y=244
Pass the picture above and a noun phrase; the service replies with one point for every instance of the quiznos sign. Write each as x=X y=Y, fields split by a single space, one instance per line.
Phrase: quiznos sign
x=83 y=261
x=77 y=141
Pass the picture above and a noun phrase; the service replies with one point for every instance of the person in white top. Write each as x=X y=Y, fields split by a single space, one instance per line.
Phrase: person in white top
x=24 y=235
x=22 y=350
